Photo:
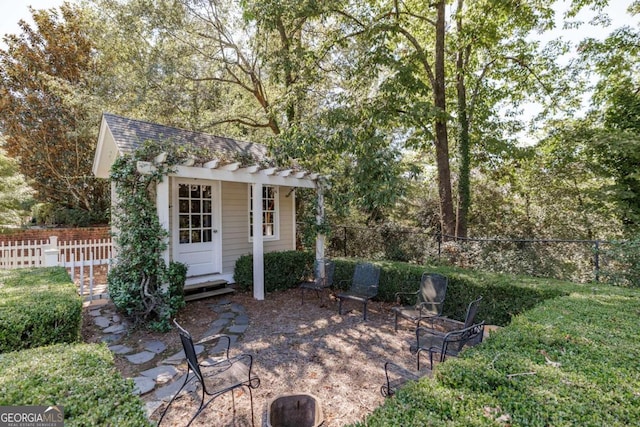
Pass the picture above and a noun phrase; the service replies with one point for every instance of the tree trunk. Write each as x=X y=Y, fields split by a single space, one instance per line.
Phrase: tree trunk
x=464 y=191
x=447 y=218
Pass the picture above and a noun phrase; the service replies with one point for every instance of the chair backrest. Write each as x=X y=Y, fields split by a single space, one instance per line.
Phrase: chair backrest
x=365 y=279
x=433 y=289
x=454 y=341
x=329 y=269
x=472 y=309
x=189 y=351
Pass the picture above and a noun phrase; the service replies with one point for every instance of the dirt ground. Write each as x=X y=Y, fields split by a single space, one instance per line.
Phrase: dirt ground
x=297 y=348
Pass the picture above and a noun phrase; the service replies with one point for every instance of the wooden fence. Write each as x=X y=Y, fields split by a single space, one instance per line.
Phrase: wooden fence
x=87 y=261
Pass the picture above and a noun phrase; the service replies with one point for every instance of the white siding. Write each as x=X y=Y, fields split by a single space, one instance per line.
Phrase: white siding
x=235 y=224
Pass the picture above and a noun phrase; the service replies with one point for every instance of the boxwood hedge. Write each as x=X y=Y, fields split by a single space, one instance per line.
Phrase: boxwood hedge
x=503 y=295
x=80 y=377
x=569 y=361
x=38 y=306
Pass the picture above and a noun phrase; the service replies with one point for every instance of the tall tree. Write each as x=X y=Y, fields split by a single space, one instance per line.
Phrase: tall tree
x=417 y=56
x=15 y=193
x=46 y=114
x=616 y=112
x=246 y=65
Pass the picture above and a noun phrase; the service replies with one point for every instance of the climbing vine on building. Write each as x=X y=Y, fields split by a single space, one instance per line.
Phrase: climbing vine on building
x=141 y=284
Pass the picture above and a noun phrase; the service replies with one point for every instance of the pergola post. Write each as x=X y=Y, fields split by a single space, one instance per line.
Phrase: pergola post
x=320 y=237
x=163 y=210
x=258 y=243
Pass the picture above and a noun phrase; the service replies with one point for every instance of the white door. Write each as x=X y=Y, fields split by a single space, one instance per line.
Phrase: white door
x=197 y=236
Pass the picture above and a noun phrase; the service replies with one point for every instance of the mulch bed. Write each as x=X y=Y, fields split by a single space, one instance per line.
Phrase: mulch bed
x=296 y=348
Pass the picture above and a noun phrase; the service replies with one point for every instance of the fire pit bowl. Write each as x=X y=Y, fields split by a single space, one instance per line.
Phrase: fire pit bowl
x=294 y=410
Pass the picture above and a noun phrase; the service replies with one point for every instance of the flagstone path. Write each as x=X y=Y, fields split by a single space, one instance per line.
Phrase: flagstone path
x=160 y=383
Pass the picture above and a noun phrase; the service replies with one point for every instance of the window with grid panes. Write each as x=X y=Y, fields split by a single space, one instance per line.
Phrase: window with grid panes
x=194 y=213
x=269 y=211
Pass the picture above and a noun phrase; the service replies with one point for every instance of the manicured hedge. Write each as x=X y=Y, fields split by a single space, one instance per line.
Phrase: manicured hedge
x=282 y=270
x=569 y=361
x=38 y=306
x=503 y=295
x=80 y=377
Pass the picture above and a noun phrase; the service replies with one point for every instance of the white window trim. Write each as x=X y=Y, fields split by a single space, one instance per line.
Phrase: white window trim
x=276 y=219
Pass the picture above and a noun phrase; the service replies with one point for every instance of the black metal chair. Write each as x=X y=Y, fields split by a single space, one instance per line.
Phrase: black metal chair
x=320 y=279
x=364 y=286
x=452 y=343
x=428 y=300
x=396 y=376
x=215 y=377
x=450 y=324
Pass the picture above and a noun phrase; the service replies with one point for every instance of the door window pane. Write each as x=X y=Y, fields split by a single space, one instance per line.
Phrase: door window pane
x=193 y=201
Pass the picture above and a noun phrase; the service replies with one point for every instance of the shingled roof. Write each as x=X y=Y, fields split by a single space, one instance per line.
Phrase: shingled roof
x=129 y=134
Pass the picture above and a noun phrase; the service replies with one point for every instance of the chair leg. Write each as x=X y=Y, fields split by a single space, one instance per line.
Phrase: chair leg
x=365 y=310
x=339 y=305
x=200 y=409
x=251 y=399
x=173 y=398
x=396 y=322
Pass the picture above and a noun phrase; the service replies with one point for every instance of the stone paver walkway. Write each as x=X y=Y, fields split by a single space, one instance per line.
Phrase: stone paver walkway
x=159 y=384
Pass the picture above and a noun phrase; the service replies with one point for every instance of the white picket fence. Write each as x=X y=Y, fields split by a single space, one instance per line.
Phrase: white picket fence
x=82 y=258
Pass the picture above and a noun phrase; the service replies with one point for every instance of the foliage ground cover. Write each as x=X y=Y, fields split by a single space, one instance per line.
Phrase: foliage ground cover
x=80 y=377
x=569 y=361
x=38 y=307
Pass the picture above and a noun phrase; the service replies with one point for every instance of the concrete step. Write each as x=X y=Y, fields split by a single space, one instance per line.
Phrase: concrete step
x=206 y=294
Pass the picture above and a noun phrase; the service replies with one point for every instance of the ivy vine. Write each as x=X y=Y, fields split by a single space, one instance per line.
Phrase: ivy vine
x=141 y=285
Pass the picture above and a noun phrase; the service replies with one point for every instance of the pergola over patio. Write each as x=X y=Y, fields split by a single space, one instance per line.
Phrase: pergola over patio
x=119 y=136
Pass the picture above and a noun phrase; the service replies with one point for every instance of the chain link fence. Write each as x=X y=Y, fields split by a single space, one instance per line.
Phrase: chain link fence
x=579 y=261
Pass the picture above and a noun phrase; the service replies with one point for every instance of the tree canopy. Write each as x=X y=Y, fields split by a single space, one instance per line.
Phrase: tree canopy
x=46 y=76
x=381 y=96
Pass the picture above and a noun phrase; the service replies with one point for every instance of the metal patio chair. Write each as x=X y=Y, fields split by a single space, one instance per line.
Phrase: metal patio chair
x=450 y=324
x=452 y=343
x=364 y=286
x=320 y=280
x=215 y=377
x=427 y=301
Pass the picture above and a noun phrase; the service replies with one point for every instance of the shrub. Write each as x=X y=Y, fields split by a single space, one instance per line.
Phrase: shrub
x=623 y=263
x=49 y=214
x=282 y=270
x=80 y=377
x=503 y=295
x=38 y=306
x=569 y=361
